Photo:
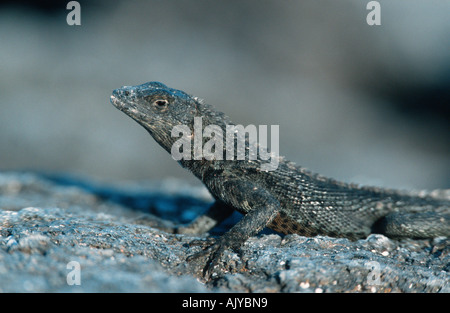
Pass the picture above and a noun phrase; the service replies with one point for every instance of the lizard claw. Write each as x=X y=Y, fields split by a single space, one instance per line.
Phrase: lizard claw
x=212 y=263
x=211 y=254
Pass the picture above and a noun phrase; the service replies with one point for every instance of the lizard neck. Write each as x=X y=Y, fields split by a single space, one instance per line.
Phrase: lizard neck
x=215 y=144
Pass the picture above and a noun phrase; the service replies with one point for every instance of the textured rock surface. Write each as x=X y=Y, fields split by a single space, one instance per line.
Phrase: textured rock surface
x=48 y=221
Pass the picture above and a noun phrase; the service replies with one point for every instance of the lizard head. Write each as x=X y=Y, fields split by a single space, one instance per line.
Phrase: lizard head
x=157 y=108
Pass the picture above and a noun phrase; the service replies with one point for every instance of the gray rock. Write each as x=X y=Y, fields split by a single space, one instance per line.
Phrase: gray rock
x=64 y=234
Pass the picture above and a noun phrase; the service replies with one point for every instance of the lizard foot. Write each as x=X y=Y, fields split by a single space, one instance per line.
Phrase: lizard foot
x=211 y=255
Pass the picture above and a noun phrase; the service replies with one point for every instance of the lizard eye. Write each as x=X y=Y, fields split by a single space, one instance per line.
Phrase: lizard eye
x=161 y=103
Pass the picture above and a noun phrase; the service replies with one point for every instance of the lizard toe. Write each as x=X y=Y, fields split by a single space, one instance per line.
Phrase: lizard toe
x=213 y=261
x=210 y=256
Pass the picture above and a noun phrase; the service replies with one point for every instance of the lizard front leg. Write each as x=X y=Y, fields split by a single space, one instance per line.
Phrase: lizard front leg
x=260 y=207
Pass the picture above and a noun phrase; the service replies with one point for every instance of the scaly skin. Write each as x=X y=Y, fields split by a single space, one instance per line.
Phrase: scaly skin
x=288 y=199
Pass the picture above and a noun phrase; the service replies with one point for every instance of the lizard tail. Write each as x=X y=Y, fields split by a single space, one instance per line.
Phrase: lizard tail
x=414 y=225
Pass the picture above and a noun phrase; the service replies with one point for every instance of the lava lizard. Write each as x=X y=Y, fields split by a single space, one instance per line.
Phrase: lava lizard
x=289 y=199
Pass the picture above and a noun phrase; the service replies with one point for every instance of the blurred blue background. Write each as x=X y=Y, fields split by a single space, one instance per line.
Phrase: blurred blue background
x=359 y=103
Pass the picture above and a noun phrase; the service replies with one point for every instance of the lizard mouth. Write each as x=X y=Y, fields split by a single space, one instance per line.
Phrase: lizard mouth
x=126 y=106
x=118 y=103
x=113 y=99
x=118 y=100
